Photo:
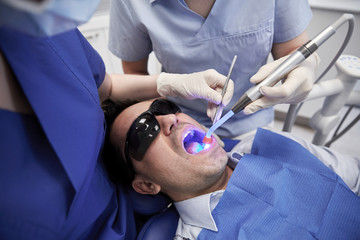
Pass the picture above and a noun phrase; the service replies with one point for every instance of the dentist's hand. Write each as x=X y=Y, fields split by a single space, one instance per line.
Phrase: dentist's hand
x=295 y=88
x=206 y=85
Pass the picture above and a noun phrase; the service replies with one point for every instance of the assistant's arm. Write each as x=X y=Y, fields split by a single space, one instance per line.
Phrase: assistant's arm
x=12 y=97
x=121 y=87
x=280 y=50
x=205 y=85
x=136 y=67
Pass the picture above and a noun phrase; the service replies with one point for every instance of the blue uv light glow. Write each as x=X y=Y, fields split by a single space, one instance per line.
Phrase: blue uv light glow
x=193 y=142
x=219 y=123
x=196 y=147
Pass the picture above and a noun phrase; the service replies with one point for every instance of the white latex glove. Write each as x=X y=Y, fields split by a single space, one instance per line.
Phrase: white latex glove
x=294 y=89
x=206 y=85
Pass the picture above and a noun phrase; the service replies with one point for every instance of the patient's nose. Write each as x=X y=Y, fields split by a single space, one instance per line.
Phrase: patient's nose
x=167 y=122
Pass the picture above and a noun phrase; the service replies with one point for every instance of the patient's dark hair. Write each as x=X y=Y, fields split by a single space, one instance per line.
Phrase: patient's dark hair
x=114 y=162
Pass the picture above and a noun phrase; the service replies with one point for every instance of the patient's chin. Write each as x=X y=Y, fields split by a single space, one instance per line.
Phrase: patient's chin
x=193 y=141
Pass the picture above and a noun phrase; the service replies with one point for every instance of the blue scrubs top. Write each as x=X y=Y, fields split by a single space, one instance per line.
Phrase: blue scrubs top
x=52 y=182
x=185 y=42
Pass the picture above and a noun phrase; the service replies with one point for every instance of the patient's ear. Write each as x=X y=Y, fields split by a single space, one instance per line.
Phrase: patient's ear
x=143 y=186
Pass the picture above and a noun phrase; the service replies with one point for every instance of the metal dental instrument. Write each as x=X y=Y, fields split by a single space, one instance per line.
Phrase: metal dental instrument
x=279 y=73
x=219 y=109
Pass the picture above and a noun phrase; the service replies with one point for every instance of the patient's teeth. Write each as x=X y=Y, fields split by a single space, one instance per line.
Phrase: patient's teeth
x=194 y=147
x=193 y=142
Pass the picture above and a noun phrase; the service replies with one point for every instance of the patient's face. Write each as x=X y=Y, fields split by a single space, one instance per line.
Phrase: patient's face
x=167 y=162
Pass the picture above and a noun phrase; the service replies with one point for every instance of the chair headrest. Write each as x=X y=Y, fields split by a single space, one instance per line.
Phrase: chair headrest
x=161 y=226
x=148 y=204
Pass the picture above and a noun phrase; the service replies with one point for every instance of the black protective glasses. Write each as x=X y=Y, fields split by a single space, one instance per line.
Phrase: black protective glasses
x=144 y=130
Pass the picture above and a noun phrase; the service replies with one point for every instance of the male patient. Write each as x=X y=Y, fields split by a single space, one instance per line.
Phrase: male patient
x=278 y=191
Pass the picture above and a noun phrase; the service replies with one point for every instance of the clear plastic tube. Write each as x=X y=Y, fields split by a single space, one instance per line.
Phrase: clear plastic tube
x=219 y=123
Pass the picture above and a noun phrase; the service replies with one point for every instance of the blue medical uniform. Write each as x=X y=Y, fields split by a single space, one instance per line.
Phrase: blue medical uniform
x=185 y=42
x=52 y=182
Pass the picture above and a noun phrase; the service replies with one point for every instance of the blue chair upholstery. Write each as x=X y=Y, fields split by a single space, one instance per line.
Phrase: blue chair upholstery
x=161 y=226
x=229 y=143
x=148 y=204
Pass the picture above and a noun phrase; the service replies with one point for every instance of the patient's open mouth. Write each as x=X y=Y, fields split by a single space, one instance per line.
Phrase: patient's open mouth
x=193 y=141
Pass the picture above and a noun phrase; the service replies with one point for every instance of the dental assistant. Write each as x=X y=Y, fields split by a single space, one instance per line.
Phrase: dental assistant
x=189 y=36
x=52 y=181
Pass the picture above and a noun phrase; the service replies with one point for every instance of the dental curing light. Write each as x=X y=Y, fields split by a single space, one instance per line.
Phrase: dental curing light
x=207 y=140
x=284 y=68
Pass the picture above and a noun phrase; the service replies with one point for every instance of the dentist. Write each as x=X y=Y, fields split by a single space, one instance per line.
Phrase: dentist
x=188 y=36
x=52 y=181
